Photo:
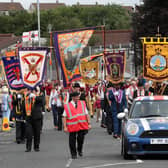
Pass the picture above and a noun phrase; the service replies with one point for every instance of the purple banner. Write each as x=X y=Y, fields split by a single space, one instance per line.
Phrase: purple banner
x=115 y=64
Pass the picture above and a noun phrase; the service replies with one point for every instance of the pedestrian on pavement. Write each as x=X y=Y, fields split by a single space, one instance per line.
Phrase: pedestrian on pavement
x=34 y=107
x=6 y=103
x=76 y=122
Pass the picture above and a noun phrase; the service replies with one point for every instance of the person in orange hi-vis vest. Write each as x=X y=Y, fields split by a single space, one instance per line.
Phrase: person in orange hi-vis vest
x=77 y=122
x=34 y=103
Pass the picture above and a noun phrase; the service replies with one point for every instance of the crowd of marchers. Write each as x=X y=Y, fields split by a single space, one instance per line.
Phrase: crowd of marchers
x=71 y=108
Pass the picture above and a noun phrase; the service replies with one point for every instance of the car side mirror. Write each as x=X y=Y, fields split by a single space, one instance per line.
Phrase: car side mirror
x=121 y=116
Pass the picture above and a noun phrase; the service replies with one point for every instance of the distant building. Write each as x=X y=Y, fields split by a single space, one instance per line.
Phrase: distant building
x=114 y=37
x=6 y=7
x=45 y=6
x=88 y=5
x=8 y=41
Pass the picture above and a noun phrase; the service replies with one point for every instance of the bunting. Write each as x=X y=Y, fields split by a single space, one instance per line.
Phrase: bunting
x=69 y=47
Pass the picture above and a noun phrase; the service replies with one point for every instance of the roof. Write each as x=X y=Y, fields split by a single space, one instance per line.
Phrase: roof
x=8 y=39
x=6 y=6
x=143 y=98
x=114 y=37
x=47 y=6
x=129 y=8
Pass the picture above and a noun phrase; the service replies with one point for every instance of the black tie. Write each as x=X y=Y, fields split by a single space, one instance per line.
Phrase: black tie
x=75 y=104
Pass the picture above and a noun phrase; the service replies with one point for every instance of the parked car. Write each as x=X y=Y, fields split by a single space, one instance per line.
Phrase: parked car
x=145 y=127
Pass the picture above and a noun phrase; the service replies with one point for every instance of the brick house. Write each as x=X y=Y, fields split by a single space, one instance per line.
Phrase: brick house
x=6 y=7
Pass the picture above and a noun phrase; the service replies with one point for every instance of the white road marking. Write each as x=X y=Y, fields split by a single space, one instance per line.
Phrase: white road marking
x=69 y=163
x=138 y=161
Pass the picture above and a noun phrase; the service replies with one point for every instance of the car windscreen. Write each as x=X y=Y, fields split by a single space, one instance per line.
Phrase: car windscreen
x=149 y=108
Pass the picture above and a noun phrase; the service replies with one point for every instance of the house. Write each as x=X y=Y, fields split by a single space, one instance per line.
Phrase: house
x=8 y=41
x=6 y=7
x=45 y=6
x=115 y=38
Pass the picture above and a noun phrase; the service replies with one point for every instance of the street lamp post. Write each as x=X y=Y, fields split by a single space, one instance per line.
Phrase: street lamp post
x=50 y=33
x=38 y=15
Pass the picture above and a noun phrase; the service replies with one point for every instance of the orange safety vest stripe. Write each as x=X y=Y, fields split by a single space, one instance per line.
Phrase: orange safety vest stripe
x=28 y=105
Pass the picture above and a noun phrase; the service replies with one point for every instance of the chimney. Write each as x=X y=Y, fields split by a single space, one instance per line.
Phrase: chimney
x=11 y=1
x=57 y=1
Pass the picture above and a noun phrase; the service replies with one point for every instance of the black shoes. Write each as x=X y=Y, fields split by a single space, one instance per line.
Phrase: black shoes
x=80 y=154
x=74 y=157
x=36 y=149
x=28 y=150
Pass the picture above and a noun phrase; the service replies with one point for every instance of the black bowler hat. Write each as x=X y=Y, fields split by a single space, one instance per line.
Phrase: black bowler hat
x=73 y=94
x=76 y=85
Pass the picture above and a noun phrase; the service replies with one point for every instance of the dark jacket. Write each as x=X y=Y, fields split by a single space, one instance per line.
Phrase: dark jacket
x=38 y=108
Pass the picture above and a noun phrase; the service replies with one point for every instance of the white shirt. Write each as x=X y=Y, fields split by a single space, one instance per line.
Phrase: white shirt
x=73 y=103
x=53 y=98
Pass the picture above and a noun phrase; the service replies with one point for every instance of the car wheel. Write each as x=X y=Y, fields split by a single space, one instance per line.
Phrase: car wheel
x=124 y=150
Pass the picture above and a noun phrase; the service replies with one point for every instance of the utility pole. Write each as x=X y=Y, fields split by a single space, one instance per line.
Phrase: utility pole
x=38 y=15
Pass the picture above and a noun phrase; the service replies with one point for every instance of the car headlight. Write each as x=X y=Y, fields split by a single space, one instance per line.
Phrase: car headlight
x=132 y=129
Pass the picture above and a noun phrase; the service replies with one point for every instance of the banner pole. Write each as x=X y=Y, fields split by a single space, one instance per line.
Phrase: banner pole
x=56 y=63
x=104 y=43
x=38 y=17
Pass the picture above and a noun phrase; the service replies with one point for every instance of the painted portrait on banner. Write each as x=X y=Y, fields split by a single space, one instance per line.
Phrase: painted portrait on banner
x=115 y=65
x=69 y=46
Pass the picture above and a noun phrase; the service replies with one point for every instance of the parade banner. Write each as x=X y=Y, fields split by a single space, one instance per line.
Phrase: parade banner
x=115 y=65
x=12 y=72
x=69 y=47
x=155 y=59
x=2 y=74
x=90 y=72
x=10 y=53
x=32 y=64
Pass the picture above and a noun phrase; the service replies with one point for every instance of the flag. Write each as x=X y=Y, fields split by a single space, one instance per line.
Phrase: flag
x=69 y=47
x=32 y=63
x=115 y=65
x=30 y=36
x=12 y=72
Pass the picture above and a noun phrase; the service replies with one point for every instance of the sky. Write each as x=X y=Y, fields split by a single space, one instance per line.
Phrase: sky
x=26 y=3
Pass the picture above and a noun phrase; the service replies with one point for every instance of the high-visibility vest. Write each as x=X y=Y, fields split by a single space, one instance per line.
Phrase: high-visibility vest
x=28 y=105
x=76 y=117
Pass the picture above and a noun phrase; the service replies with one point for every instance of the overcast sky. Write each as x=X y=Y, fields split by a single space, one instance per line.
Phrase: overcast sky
x=26 y=3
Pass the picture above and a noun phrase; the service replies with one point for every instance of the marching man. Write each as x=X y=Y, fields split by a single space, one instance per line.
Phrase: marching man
x=76 y=121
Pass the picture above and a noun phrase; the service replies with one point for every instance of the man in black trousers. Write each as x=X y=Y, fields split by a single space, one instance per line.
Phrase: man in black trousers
x=34 y=107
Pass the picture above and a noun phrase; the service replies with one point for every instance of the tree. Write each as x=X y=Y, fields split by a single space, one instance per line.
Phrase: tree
x=66 y=17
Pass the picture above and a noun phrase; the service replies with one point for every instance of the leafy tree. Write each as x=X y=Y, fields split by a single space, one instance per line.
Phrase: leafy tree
x=66 y=17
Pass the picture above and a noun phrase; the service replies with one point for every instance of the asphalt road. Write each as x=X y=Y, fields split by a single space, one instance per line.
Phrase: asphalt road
x=100 y=151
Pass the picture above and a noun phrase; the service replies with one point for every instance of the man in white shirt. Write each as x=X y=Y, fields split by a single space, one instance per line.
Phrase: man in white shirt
x=53 y=104
x=76 y=122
